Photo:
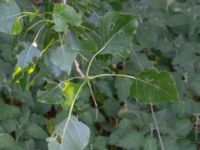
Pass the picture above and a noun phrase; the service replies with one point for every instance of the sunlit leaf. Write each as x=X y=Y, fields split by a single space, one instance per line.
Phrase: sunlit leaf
x=17 y=27
x=69 y=91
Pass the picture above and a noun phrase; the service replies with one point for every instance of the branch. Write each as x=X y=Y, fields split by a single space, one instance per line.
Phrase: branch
x=157 y=129
x=78 y=69
x=64 y=1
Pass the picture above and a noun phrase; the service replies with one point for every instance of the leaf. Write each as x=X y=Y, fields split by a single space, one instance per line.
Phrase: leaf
x=17 y=27
x=150 y=144
x=8 y=112
x=27 y=56
x=104 y=88
x=123 y=86
x=111 y=111
x=24 y=80
x=194 y=85
x=9 y=11
x=154 y=87
x=8 y=143
x=64 y=55
x=52 y=94
x=36 y=131
x=186 y=144
x=170 y=143
x=100 y=143
x=183 y=127
x=3 y=79
x=132 y=140
x=74 y=136
x=116 y=31
x=9 y=125
x=65 y=15
x=69 y=91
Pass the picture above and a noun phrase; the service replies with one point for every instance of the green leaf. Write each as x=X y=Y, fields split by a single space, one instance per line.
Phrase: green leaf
x=73 y=136
x=63 y=57
x=52 y=94
x=65 y=15
x=27 y=56
x=123 y=86
x=9 y=11
x=132 y=140
x=36 y=131
x=3 y=79
x=24 y=80
x=150 y=144
x=154 y=87
x=186 y=144
x=100 y=143
x=16 y=27
x=69 y=91
x=9 y=125
x=116 y=31
x=8 y=112
x=183 y=127
x=194 y=85
x=111 y=111
x=8 y=143
x=170 y=143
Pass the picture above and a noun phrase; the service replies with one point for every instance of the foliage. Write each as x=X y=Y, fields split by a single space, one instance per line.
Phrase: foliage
x=93 y=74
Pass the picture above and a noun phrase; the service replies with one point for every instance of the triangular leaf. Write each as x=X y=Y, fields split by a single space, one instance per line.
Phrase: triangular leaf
x=116 y=31
x=71 y=136
x=9 y=11
x=154 y=87
x=27 y=56
x=65 y=15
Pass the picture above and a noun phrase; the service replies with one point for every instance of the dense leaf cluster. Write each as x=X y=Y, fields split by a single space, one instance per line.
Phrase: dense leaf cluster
x=116 y=65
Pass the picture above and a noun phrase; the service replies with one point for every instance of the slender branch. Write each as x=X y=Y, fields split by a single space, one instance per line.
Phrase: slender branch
x=64 y=1
x=92 y=59
x=78 y=69
x=157 y=129
x=94 y=99
x=70 y=113
x=130 y=77
x=121 y=75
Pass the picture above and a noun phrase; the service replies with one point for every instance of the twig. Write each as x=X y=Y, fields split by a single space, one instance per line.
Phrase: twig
x=157 y=129
x=64 y=1
x=78 y=69
x=93 y=98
